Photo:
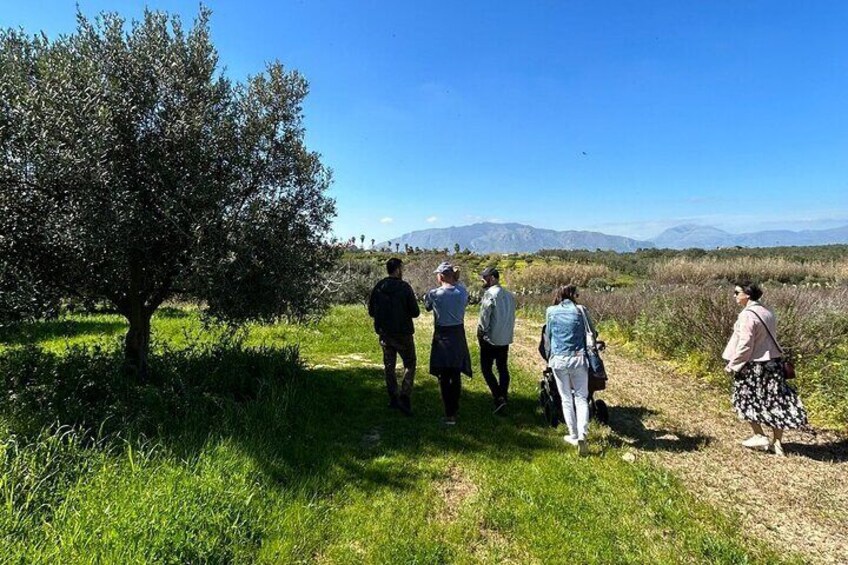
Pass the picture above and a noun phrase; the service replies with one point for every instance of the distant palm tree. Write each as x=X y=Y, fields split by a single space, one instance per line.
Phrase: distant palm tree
x=362 y=241
x=372 y=243
x=397 y=247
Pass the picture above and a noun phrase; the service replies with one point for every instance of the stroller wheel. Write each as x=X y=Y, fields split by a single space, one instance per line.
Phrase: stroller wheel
x=601 y=411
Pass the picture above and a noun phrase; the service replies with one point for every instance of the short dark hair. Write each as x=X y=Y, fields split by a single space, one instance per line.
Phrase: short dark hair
x=393 y=264
x=490 y=272
x=752 y=289
x=565 y=292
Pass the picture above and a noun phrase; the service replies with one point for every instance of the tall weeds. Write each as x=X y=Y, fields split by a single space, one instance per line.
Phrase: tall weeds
x=683 y=270
x=543 y=279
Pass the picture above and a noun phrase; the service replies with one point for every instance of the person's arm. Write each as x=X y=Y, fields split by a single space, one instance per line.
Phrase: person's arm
x=464 y=290
x=412 y=302
x=428 y=301
x=744 y=345
x=371 y=306
x=487 y=307
x=548 y=336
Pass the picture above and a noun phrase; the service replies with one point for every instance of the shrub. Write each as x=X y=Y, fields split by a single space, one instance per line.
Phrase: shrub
x=351 y=281
x=543 y=279
x=778 y=269
x=88 y=387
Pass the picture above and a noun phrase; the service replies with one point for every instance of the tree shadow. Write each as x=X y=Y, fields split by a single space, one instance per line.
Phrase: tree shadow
x=316 y=428
x=342 y=424
x=54 y=329
x=174 y=312
x=628 y=422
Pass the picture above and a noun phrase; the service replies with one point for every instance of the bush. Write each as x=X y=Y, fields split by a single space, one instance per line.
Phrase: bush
x=544 y=279
x=88 y=387
x=778 y=269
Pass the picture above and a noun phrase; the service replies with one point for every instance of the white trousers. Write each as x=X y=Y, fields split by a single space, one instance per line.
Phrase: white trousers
x=575 y=408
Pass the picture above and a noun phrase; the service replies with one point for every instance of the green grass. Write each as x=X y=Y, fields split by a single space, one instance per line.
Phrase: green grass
x=319 y=470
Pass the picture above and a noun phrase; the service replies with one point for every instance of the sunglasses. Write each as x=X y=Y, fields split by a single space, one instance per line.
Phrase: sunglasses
x=737 y=292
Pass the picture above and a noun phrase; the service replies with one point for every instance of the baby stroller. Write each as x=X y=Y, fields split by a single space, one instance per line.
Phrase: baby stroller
x=550 y=399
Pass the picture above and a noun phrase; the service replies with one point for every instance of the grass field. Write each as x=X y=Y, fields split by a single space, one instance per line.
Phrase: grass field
x=315 y=469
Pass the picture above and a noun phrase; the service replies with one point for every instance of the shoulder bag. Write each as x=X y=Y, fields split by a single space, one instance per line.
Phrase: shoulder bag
x=786 y=364
x=597 y=371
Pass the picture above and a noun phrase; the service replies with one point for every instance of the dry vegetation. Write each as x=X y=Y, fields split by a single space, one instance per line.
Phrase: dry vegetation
x=684 y=270
x=545 y=278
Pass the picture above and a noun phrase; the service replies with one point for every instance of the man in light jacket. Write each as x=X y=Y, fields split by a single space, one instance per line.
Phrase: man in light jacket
x=494 y=333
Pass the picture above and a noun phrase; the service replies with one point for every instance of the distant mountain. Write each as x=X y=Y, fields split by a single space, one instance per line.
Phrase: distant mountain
x=489 y=237
x=690 y=236
x=707 y=237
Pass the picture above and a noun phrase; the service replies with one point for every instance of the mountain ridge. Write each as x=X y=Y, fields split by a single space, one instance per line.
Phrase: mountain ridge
x=490 y=237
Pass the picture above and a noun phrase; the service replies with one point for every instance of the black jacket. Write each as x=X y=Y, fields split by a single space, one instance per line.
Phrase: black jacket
x=392 y=304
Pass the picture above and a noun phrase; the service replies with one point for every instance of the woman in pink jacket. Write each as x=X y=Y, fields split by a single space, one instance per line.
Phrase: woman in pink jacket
x=761 y=395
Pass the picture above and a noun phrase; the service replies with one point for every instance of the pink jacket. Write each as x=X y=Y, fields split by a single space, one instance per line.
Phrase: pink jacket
x=750 y=340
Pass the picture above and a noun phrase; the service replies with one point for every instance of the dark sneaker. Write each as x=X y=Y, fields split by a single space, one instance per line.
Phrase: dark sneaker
x=500 y=405
x=449 y=421
x=405 y=405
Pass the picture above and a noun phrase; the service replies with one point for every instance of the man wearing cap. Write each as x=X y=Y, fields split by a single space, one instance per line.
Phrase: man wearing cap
x=449 y=356
x=494 y=333
x=393 y=305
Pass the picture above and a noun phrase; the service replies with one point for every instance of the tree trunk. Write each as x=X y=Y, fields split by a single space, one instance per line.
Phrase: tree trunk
x=137 y=344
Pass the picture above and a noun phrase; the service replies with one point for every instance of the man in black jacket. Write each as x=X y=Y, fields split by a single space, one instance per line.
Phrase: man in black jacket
x=392 y=304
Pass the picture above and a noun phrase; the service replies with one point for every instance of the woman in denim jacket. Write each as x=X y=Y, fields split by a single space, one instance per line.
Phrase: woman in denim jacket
x=565 y=334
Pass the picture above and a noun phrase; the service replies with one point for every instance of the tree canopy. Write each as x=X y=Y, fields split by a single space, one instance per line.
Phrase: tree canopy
x=132 y=168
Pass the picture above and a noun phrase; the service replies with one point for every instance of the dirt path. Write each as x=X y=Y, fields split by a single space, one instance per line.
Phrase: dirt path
x=799 y=502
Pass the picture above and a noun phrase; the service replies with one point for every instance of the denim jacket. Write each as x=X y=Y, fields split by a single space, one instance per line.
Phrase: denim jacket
x=566 y=332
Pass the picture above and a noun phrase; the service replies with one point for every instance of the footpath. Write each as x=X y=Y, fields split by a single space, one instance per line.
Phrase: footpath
x=798 y=503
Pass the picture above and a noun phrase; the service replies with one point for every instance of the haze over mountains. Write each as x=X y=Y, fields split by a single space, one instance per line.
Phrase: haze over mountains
x=707 y=237
x=490 y=237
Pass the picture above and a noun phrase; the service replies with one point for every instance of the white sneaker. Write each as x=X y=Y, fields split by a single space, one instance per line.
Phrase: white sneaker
x=757 y=441
x=778 y=449
x=571 y=440
x=582 y=448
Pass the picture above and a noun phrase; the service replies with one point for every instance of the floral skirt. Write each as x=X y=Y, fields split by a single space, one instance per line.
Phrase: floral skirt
x=761 y=395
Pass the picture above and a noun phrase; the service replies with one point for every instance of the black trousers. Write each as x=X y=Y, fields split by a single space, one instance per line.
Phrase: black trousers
x=495 y=355
x=450 y=383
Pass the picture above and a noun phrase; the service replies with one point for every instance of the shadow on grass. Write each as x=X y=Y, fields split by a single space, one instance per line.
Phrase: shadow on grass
x=174 y=312
x=832 y=452
x=339 y=423
x=53 y=329
x=629 y=422
x=315 y=428
x=31 y=333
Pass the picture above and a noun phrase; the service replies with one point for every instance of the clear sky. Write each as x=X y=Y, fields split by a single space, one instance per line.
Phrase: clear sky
x=622 y=117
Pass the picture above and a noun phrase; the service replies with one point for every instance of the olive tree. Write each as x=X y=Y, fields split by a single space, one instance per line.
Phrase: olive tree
x=132 y=168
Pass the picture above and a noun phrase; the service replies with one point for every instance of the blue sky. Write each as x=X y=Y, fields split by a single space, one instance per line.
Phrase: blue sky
x=622 y=117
